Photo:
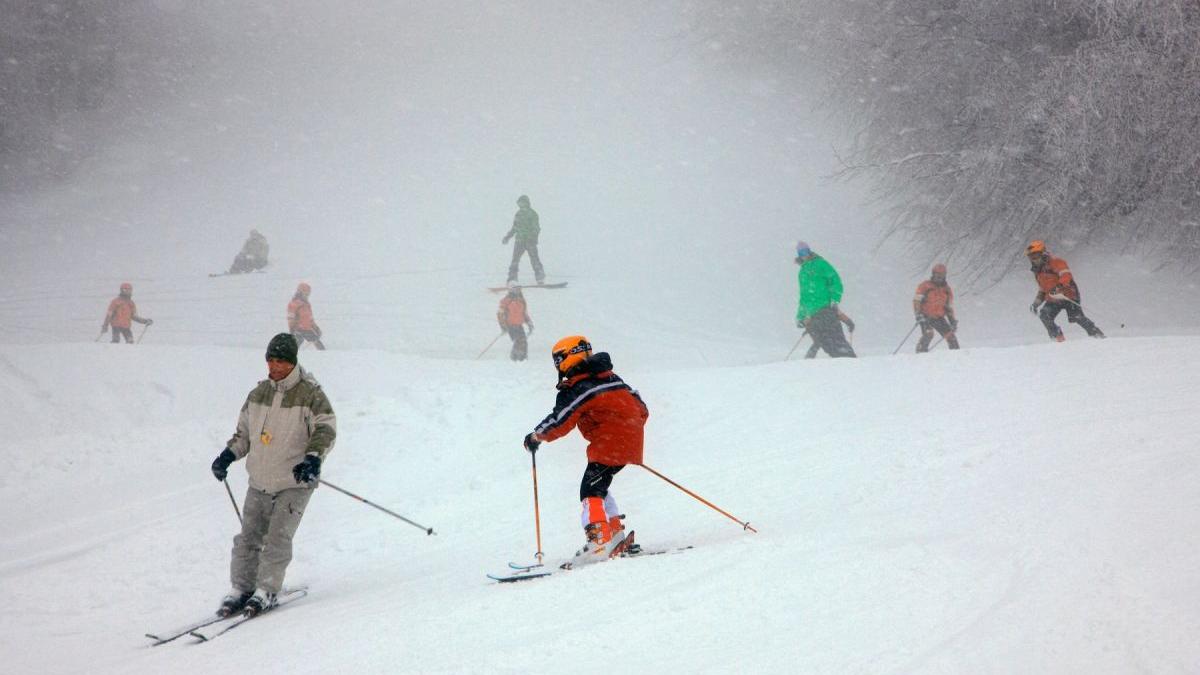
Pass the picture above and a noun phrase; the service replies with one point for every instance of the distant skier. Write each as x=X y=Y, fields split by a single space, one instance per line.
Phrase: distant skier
x=933 y=306
x=513 y=316
x=253 y=255
x=815 y=347
x=300 y=318
x=286 y=428
x=122 y=311
x=820 y=292
x=611 y=417
x=525 y=228
x=1057 y=288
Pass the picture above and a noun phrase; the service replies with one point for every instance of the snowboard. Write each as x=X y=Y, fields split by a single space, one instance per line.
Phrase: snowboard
x=499 y=289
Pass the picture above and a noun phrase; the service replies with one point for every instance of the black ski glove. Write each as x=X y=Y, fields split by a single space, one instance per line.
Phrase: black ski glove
x=531 y=443
x=307 y=471
x=1035 y=307
x=220 y=465
x=849 y=324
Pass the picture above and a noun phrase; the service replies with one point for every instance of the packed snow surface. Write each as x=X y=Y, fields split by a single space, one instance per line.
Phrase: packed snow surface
x=1023 y=509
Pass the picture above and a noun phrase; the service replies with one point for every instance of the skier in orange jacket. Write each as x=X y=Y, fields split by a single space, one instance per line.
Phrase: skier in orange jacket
x=1057 y=288
x=300 y=318
x=122 y=311
x=933 y=306
x=513 y=316
x=611 y=415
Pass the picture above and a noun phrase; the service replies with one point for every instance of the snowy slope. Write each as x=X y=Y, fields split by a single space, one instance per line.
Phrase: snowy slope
x=1016 y=510
x=1014 y=507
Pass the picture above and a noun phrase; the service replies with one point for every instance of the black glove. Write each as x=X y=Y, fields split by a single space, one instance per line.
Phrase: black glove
x=149 y=322
x=220 y=465
x=506 y=238
x=531 y=443
x=1035 y=306
x=530 y=331
x=307 y=471
x=849 y=324
x=953 y=323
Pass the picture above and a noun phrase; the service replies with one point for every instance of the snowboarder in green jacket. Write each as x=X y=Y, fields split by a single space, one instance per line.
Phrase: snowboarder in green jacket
x=525 y=228
x=820 y=293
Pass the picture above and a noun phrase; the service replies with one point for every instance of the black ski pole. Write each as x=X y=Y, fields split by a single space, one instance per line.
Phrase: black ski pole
x=428 y=530
x=143 y=333
x=235 y=508
x=485 y=349
x=797 y=345
x=910 y=332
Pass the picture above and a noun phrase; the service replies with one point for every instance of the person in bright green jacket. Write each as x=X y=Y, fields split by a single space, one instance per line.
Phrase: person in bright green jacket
x=820 y=293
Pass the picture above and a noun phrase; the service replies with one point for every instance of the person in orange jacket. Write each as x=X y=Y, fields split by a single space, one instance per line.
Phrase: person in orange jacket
x=611 y=416
x=1058 y=290
x=122 y=311
x=513 y=316
x=933 y=306
x=300 y=318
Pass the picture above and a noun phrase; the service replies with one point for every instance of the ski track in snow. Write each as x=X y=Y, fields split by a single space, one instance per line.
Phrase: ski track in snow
x=983 y=524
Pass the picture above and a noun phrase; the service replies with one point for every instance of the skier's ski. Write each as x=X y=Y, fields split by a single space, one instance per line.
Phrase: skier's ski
x=537 y=571
x=497 y=289
x=163 y=637
x=216 y=630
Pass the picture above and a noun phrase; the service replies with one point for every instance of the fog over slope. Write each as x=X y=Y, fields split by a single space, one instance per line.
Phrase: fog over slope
x=381 y=150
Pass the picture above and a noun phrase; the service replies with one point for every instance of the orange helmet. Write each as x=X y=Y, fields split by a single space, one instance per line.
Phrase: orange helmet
x=126 y=288
x=1035 y=246
x=570 y=352
x=939 y=270
x=304 y=289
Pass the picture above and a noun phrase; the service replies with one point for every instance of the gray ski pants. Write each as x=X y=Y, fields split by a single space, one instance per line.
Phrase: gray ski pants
x=262 y=551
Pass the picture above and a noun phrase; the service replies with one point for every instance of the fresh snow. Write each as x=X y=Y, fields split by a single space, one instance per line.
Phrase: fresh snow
x=1018 y=506
x=1025 y=509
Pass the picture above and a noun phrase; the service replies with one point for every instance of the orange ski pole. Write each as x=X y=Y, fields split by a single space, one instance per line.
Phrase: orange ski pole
x=702 y=500
x=537 y=517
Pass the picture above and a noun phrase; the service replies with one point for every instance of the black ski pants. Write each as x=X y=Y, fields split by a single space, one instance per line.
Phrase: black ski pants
x=1075 y=314
x=118 y=333
x=596 y=480
x=520 y=348
x=942 y=325
x=826 y=331
x=520 y=247
x=311 y=336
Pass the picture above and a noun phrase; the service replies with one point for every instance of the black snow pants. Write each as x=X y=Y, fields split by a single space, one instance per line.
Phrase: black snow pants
x=596 y=480
x=520 y=348
x=942 y=325
x=1075 y=314
x=311 y=336
x=520 y=247
x=826 y=331
x=118 y=333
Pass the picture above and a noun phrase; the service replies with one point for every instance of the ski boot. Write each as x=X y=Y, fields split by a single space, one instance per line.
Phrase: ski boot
x=233 y=603
x=260 y=602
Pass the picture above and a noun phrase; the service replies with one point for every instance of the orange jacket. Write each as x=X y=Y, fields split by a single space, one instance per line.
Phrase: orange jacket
x=1055 y=273
x=299 y=315
x=513 y=311
x=609 y=414
x=934 y=300
x=121 y=311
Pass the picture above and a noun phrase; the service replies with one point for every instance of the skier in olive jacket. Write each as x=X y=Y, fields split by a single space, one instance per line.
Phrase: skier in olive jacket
x=285 y=430
x=525 y=228
x=820 y=293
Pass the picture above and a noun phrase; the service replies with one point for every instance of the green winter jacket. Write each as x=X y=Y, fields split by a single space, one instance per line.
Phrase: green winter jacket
x=525 y=225
x=820 y=286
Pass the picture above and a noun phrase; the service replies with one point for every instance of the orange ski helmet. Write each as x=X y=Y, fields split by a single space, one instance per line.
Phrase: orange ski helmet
x=1035 y=246
x=126 y=288
x=304 y=289
x=570 y=352
x=939 y=271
